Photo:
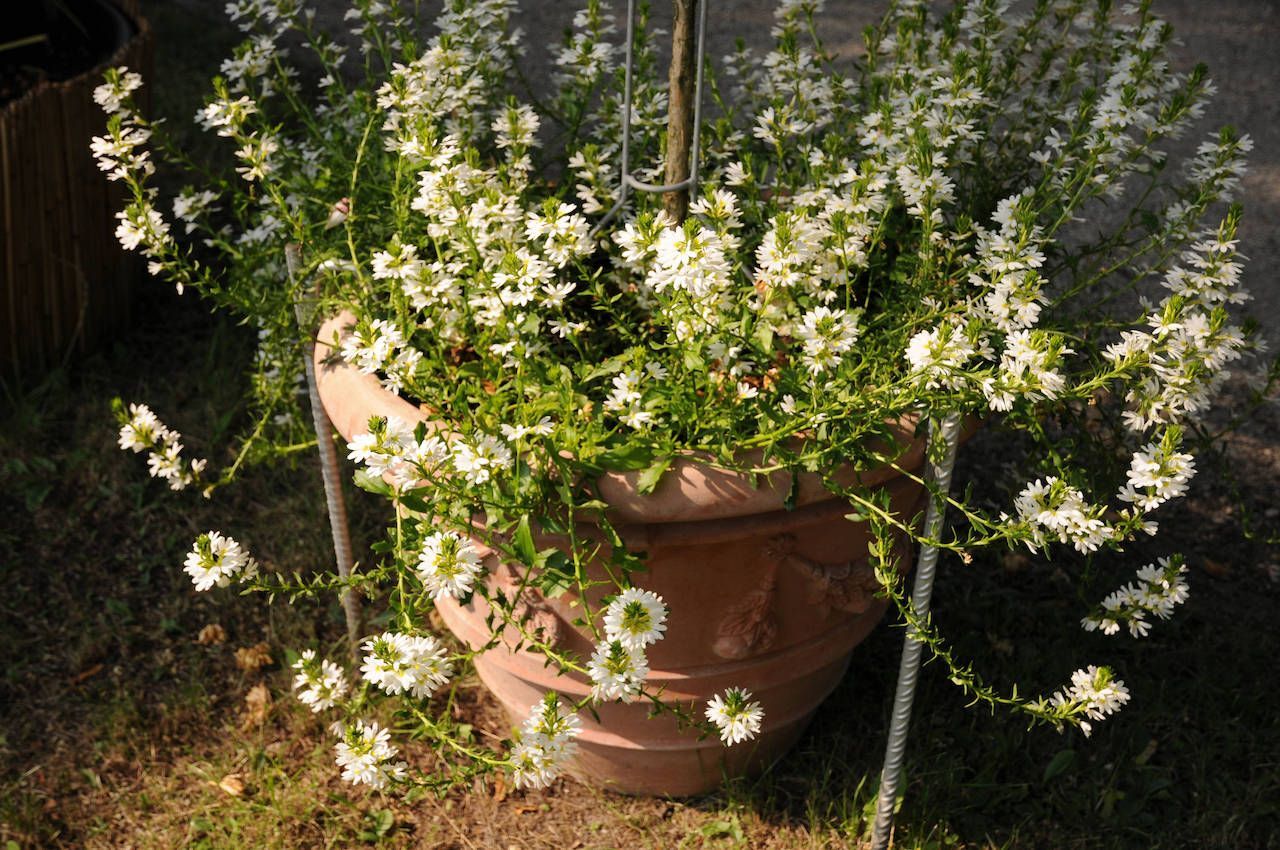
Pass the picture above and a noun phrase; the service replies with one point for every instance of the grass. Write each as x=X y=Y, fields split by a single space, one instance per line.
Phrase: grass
x=121 y=729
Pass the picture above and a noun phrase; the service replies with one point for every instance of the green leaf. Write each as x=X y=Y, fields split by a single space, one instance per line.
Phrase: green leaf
x=523 y=542
x=626 y=457
x=653 y=474
x=372 y=483
x=1059 y=764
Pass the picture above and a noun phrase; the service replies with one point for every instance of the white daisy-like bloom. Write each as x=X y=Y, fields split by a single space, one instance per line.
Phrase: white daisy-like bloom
x=478 y=459
x=1094 y=692
x=827 y=336
x=1159 y=588
x=937 y=356
x=635 y=618
x=448 y=564
x=142 y=226
x=736 y=715
x=143 y=430
x=400 y=262
x=121 y=82
x=189 y=205
x=515 y=433
x=215 y=560
x=319 y=682
x=690 y=259
x=544 y=745
x=562 y=232
x=1157 y=473
x=414 y=664
x=617 y=672
x=365 y=755
x=1055 y=510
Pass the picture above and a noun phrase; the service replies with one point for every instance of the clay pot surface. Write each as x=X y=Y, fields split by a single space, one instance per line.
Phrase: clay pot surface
x=759 y=597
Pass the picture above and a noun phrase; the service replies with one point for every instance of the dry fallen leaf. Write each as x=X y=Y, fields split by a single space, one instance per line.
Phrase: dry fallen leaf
x=251 y=659
x=256 y=702
x=86 y=674
x=211 y=634
x=1015 y=562
x=232 y=784
x=1216 y=569
x=499 y=789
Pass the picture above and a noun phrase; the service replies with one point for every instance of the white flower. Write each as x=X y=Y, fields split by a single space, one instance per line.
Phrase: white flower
x=617 y=671
x=365 y=753
x=1093 y=692
x=1159 y=588
x=544 y=745
x=477 y=460
x=448 y=565
x=256 y=154
x=564 y=234
x=827 y=336
x=215 y=560
x=1158 y=473
x=690 y=259
x=1061 y=510
x=190 y=205
x=736 y=715
x=635 y=618
x=143 y=430
x=400 y=262
x=515 y=127
x=937 y=356
x=515 y=433
x=400 y=663
x=319 y=682
x=121 y=82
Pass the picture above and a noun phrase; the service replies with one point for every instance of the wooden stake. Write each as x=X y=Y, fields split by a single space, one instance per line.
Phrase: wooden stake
x=681 y=100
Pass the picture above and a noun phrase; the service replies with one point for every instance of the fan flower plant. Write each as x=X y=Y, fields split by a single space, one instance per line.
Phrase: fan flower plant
x=978 y=217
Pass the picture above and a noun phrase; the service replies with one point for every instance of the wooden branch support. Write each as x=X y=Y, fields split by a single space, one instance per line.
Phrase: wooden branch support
x=681 y=101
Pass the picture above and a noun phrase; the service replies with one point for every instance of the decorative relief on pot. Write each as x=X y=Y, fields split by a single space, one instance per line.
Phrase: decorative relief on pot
x=750 y=626
x=848 y=586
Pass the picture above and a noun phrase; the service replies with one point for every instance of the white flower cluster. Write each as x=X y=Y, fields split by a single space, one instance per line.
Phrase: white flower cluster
x=391 y=448
x=1093 y=692
x=1180 y=363
x=143 y=431
x=121 y=156
x=215 y=559
x=633 y=621
x=448 y=564
x=1159 y=588
x=365 y=755
x=113 y=95
x=1157 y=473
x=397 y=663
x=381 y=347
x=736 y=715
x=1054 y=510
x=320 y=683
x=544 y=745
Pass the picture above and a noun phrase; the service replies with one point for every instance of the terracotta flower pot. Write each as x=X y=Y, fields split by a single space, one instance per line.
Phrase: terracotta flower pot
x=760 y=597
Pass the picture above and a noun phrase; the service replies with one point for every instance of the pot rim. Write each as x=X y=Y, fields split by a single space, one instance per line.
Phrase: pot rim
x=690 y=489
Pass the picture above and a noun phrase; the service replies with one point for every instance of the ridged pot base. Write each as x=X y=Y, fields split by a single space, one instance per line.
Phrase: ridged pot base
x=656 y=757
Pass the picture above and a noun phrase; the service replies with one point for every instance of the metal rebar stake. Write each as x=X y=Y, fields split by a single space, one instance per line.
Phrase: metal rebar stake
x=304 y=309
x=939 y=474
